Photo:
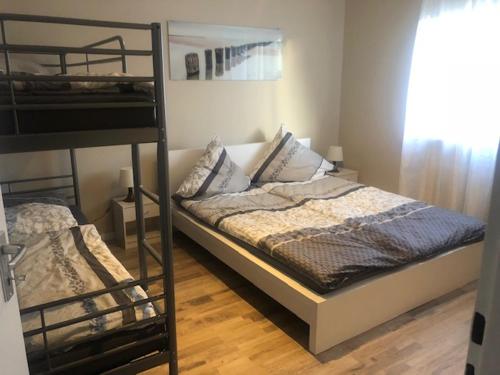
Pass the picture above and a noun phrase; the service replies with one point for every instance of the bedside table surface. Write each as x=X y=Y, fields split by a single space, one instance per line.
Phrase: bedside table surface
x=120 y=201
x=342 y=171
x=348 y=174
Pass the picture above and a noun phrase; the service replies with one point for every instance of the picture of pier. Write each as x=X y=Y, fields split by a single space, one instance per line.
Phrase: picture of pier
x=215 y=52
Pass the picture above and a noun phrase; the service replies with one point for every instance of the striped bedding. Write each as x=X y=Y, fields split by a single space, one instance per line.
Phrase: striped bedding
x=330 y=232
x=71 y=262
x=77 y=87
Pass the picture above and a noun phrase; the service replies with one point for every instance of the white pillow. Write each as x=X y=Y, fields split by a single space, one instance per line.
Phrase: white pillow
x=287 y=160
x=214 y=173
x=38 y=218
x=23 y=65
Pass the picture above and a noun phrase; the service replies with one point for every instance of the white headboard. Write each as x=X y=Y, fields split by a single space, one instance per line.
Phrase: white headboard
x=246 y=155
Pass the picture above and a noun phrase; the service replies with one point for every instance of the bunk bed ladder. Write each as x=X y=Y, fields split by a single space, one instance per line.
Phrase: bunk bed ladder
x=163 y=200
x=164 y=190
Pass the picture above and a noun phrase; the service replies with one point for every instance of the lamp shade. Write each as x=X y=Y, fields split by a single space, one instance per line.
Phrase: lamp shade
x=126 y=177
x=335 y=153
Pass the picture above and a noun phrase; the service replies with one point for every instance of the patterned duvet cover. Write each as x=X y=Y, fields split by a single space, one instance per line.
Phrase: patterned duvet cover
x=77 y=87
x=330 y=232
x=69 y=262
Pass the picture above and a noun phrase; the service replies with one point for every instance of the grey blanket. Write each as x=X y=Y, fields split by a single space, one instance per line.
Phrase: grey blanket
x=331 y=232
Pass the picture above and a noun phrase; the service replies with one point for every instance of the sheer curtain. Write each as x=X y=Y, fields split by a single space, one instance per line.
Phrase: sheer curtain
x=452 y=122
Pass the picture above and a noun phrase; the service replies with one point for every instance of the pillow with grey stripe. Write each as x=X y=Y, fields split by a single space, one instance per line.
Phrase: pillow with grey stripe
x=287 y=160
x=32 y=218
x=214 y=173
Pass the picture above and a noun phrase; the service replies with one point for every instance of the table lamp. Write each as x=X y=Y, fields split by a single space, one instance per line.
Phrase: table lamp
x=335 y=155
x=127 y=180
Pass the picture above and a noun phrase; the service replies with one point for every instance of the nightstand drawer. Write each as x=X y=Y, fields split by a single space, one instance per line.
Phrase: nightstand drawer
x=150 y=210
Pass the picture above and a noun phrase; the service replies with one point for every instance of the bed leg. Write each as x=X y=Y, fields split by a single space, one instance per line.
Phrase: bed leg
x=322 y=335
x=313 y=339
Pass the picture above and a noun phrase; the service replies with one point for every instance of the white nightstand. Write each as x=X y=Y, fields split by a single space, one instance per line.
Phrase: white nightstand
x=124 y=213
x=346 y=174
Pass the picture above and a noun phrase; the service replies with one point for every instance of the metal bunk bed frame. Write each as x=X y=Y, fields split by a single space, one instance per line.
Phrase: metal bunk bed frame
x=137 y=357
x=58 y=183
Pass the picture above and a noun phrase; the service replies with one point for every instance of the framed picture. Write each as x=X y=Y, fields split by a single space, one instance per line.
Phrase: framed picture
x=214 y=52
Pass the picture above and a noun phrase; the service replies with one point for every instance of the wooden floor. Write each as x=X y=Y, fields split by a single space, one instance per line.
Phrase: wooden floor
x=225 y=325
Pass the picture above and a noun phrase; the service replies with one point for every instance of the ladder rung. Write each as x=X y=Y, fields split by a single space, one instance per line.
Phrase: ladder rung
x=151 y=250
x=154 y=197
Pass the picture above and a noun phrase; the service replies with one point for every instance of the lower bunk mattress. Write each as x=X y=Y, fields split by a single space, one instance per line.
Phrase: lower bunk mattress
x=328 y=233
x=71 y=262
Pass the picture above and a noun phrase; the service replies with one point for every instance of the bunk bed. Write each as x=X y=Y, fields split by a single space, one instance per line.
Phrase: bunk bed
x=65 y=111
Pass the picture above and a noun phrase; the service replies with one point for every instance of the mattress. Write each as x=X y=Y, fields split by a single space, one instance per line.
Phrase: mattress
x=78 y=119
x=35 y=121
x=71 y=262
x=329 y=233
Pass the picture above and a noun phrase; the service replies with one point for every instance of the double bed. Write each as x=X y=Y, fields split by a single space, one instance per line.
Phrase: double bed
x=342 y=256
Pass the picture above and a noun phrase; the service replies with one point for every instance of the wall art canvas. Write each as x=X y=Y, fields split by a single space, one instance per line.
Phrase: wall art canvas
x=215 y=52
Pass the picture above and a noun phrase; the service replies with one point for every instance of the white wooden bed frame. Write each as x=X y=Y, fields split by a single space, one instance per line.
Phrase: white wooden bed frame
x=339 y=315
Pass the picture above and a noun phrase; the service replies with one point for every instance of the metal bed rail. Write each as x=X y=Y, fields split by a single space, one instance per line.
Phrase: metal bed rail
x=165 y=259
x=96 y=293
x=57 y=50
x=75 y=21
x=59 y=178
x=32 y=107
x=10 y=183
x=41 y=190
x=54 y=349
x=128 y=79
x=76 y=139
x=167 y=337
x=130 y=347
x=62 y=51
x=117 y=38
x=49 y=351
x=51 y=327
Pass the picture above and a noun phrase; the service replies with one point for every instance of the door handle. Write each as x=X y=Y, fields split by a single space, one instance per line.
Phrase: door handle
x=10 y=255
x=17 y=251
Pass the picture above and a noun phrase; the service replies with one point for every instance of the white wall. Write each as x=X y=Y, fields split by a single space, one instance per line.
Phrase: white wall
x=12 y=354
x=378 y=45
x=307 y=99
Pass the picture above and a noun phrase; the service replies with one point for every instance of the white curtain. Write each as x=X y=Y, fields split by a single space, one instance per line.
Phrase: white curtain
x=452 y=125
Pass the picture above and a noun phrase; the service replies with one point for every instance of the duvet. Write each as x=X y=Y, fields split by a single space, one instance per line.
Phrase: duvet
x=330 y=232
x=70 y=262
x=79 y=87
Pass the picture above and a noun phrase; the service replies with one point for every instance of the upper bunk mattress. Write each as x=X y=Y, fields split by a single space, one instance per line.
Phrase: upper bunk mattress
x=43 y=120
x=330 y=232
